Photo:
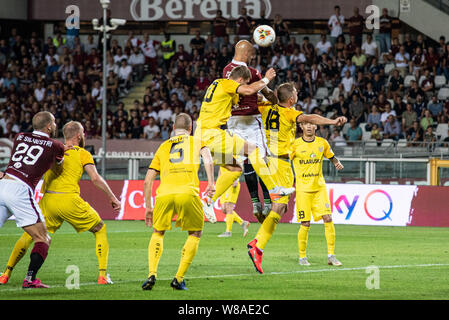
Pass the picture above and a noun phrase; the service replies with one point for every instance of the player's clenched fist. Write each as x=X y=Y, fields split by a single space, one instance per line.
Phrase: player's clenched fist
x=270 y=74
x=149 y=216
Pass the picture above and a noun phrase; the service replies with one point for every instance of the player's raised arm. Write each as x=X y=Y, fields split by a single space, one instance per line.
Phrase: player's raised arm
x=209 y=167
x=147 y=190
x=319 y=120
x=101 y=184
x=242 y=75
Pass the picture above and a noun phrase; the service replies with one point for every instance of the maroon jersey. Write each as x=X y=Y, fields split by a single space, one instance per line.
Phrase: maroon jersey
x=32 y=155
x=247 y=104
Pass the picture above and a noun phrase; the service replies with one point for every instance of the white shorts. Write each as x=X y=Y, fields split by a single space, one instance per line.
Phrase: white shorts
x=251 y=129
x=17 y=198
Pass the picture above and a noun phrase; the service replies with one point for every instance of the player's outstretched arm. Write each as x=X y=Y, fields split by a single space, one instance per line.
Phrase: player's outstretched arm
x=270 y=95
x=249 y=89
x=337 y=164
x=101 y=184
x=319 y=120
x=147 y=190
x=209 y=167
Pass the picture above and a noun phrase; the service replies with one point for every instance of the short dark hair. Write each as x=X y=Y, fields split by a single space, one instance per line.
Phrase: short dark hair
x=240 y=72
x=285 y=91
x=41 y=120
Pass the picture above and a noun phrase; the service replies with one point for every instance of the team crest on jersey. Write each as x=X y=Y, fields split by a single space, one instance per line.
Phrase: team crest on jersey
x=17 y=165
x=313 y=155
x=321 y=149
x=327 y=205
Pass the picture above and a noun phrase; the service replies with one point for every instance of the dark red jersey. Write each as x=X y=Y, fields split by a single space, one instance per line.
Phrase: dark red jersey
x=32 y=155
x=247 y=104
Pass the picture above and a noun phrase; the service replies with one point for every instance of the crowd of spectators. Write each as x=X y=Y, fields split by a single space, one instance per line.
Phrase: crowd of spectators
x=387 y=84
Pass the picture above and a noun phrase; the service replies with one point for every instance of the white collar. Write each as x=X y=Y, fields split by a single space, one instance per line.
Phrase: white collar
x=240 y=63
x=40 y=133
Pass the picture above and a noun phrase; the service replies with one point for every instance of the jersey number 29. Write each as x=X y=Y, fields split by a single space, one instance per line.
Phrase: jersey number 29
x=32 y=154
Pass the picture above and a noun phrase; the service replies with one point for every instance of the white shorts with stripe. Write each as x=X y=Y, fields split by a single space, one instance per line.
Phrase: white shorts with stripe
x=251 y=129
x=17 y=198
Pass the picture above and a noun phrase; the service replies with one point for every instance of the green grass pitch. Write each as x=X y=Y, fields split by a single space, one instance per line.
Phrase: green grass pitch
x=413 y=263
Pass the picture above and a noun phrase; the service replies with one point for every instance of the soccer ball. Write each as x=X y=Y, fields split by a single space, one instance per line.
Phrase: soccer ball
x=264 y=36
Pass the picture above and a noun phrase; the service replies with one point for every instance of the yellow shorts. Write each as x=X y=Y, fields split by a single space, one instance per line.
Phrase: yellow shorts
x=316 y=203
x=224 y=146
x=284 y=175
x=69 y=207
x=188 y=208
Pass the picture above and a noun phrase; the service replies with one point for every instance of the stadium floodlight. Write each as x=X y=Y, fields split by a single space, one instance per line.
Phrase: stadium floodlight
x=115 y=23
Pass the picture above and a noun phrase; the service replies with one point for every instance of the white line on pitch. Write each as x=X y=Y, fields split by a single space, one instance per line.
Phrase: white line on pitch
x=250 y=275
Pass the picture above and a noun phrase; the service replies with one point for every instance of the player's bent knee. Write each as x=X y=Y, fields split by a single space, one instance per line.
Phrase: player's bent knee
x=305 y=224
x=97 y=227
x=197 y=234
x=279 y=208
x=161 y=232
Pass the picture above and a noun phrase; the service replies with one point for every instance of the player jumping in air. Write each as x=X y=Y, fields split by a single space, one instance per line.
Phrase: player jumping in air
x=221 y=95
x=311 y=192
x=32 y=155
x=177 y=162
x=62 y=202
x=246 y=122
x=228 y=201
x=280 y=121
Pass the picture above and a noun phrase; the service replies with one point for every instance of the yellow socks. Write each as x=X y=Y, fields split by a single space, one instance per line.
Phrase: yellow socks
x=230 y=219
x=229 y=222
x=102 y=247
x=267 y=228
x=224 y=181
x=237 y=218
x=18 y=252
x=155 y=249
x=329 y=233
x=262 y=169
x=303 y=235
x=188 y=253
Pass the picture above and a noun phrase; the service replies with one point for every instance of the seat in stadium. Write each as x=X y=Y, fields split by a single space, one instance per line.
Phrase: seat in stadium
x=440 y=81
x=441 y=131
x=443 y=94
x=409 y=78
x=421 y=79
x=371 y=143
x=387 y=142
x=402 y=143
x=366 y=136
x=345 y=128
x=322 y=93
x=389 y=67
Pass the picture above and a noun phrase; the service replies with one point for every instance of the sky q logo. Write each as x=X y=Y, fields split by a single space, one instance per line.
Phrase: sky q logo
x=377 y=204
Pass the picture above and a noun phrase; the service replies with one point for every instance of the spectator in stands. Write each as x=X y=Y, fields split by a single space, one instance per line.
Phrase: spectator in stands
x=373 y=119
x=197 y=43
x=137 y=62
x=336 y=23
x=376 y=134
x=165 y=130
x=415 y=91
x=435 y=107
x=243 y=24
x=323 y=46
x=164 y=113
x=395 y=84
x=369 y=47
x=337 y=139
x=409 y=116
x=356 y=24
x=348 y=83
x=388 y=111
x=402 y=59
x=359 y=59
x=446 y=140
x=354 y=132
x=348 y=67
x=386 y=23
x=124 y=75
x=281 y=28
x=417 y=62
x=356 y=109
x=392 y=129
x=151 y=131
x=427 y=120
x=415 y=134
x=323 y=132
x=220 y=24
x=430 y=139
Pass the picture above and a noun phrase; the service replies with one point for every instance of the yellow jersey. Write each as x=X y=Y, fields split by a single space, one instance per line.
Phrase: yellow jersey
x=65 y=178
x=280 y=128
x=217 y=104
x=308 y=163
x=178 y=161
